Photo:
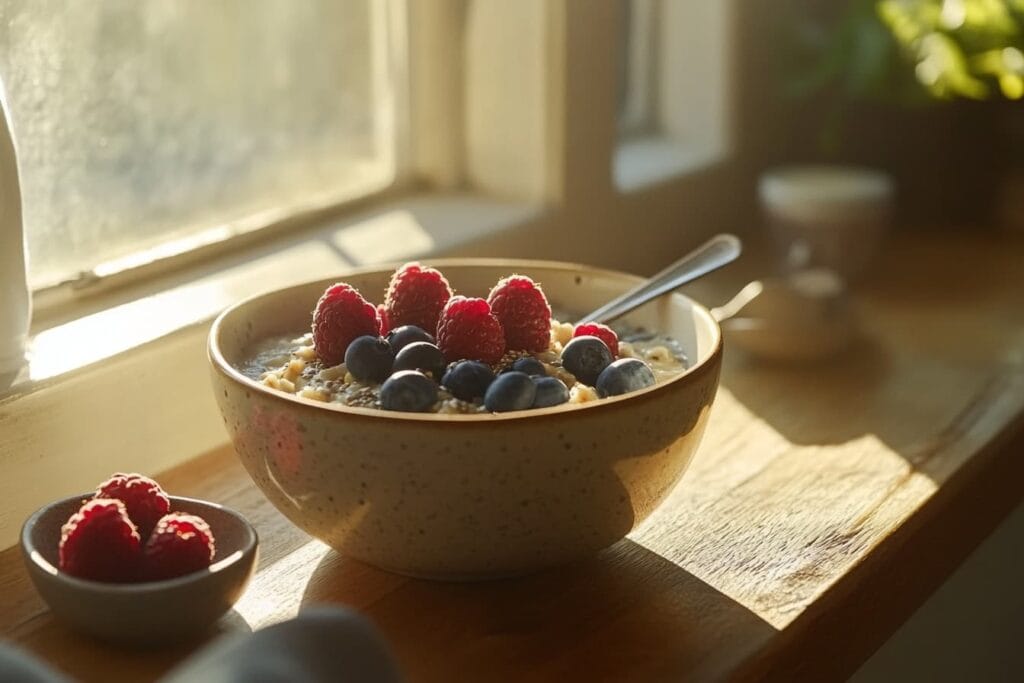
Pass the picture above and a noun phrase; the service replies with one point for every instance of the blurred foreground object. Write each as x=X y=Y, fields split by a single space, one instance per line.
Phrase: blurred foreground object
x=321 y=645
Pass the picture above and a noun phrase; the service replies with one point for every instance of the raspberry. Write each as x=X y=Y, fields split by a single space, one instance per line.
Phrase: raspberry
x=602 y=332
x=143 y=498
x=468 y=330
x=341 y=315
x=100 y=543
x=523 y=310
x=383 y=323
x=180 y=544
x=415 y=296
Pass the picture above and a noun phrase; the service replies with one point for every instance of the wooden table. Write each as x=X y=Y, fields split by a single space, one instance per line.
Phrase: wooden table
x=825 y=504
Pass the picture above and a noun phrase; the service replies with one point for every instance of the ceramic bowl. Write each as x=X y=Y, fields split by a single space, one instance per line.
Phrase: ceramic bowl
x=467 y=496
x=142 y=613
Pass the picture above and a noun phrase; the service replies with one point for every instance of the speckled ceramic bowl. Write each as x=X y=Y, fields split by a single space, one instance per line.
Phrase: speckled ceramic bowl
x=151 y=612
x=468 y=496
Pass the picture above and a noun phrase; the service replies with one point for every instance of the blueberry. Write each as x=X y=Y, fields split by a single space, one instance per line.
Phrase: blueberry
x=407 y=334
x=422 y=356
x=510 y=391
x=623 y=376
x=468 y=379
x=369 y=359
x=550 y=392
x=409 y=391
x=585 y=357
x=530 y=365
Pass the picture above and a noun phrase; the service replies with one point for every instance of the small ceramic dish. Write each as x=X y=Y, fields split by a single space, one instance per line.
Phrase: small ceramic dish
x=149 y=612
x=805 y=316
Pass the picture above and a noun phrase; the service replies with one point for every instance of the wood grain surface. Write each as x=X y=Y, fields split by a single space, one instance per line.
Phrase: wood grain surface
x=826 y=502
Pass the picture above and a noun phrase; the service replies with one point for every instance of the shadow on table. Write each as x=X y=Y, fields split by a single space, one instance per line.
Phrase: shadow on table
x=626 y=614
x=915 y=407
x=823 y=402
x=920 y=370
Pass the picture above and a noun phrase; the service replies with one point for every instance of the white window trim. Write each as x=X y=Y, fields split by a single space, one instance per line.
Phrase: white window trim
x=15 y=298
x=149 y=406
x=638 y=115
x=691 y=127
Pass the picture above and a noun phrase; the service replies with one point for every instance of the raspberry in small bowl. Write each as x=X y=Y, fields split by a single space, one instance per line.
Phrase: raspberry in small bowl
x=528 y=447
x=98 y=574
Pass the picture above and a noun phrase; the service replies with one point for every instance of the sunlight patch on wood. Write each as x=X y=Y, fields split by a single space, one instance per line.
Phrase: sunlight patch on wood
x=264 y=604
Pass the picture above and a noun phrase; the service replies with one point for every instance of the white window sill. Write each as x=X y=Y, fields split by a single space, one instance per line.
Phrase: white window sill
x=123 y=384
x=651 y=160
x=401 y=230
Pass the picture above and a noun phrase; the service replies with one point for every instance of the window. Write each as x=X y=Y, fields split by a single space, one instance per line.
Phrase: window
x=638 y=64
x=673 y=96
x=479 y=127
x=145 y=129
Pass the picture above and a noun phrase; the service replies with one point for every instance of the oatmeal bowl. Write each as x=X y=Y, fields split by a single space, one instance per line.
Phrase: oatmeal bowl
x=449 y=421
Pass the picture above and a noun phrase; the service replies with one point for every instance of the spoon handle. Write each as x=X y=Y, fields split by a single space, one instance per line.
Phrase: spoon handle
x=713 y=254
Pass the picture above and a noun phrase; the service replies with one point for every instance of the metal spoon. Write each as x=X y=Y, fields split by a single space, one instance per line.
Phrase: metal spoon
x=712 y=255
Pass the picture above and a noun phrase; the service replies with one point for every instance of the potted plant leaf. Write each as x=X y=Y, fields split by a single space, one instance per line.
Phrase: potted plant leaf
x=927 y=90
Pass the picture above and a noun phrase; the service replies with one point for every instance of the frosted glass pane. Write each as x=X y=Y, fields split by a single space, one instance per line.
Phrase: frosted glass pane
x=140 y=122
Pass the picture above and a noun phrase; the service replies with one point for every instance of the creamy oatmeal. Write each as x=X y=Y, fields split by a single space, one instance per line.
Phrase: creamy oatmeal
x=291 y=365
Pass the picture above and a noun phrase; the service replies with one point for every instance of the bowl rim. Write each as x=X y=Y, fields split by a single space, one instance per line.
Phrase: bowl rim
x=33 y=556
x=220 y=364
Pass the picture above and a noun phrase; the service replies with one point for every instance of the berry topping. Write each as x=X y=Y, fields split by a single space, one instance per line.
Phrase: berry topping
x=530 y=365
x=510 y=391
x=143 y=498
x=585 y=357
x=551 y=391
x=341 y=315
x=602 y=332
x=407 y=334
x=180 y=544
x=383 y=324
x=468 y=379
x=523 y=310
x=422 y=356
x=100 y=543
x=408 y=391
x=369 y=359
x=623 y=376
x=468 y=330
x=416 y=295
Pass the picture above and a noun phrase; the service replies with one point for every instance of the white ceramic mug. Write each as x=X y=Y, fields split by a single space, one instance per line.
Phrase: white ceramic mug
x=827 y=216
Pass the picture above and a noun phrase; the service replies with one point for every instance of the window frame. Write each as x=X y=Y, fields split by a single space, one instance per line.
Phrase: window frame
x=391 y=59
x=641 y=71
x=107 y=409
x=689 y=122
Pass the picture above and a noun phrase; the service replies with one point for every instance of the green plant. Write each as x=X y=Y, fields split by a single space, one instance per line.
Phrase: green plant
x=903 y=49
x=907 y=52
x=960 y=48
